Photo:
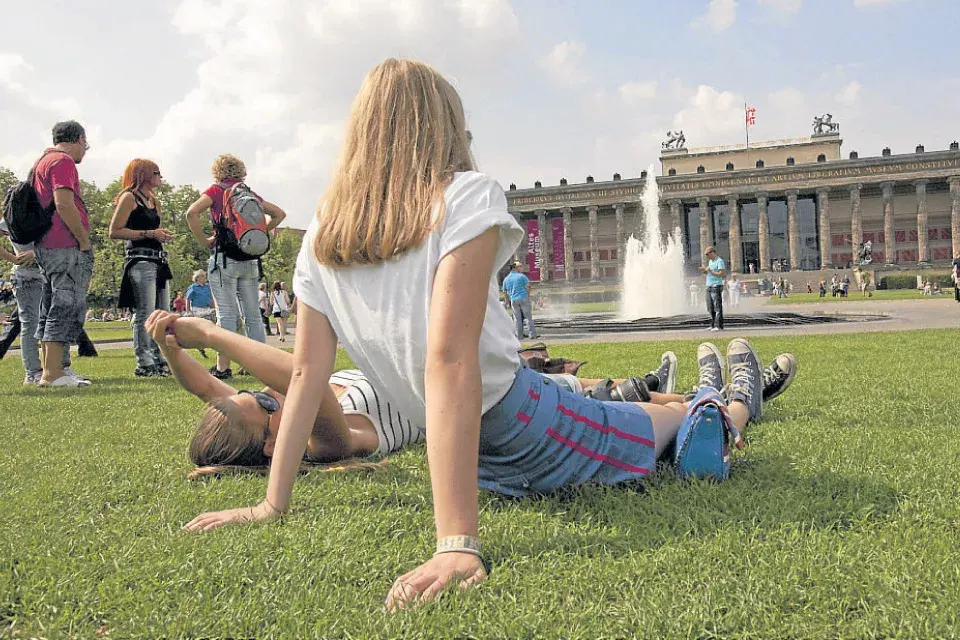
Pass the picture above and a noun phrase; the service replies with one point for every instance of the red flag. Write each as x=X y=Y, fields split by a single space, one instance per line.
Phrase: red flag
x=751 y=116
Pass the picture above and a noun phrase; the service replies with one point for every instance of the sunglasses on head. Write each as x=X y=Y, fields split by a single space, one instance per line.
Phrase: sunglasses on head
x=266 y=401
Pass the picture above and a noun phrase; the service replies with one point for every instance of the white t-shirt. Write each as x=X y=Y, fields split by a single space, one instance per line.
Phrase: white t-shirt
x=262 y=300
x=379 y=312
x=394 y=431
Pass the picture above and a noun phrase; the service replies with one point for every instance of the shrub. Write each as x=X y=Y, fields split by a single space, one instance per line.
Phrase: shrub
x=909 y=281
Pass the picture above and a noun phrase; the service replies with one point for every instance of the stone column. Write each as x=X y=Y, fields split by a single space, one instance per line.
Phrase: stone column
x=764 y=232
x=674 y=217
x=594 y=244
x=793 y=229
x=923 y=253
x=736 y=246
x=567 y=244
x=955 y=214
x=889 y=230
x=856 y=225
x=621 y=245
x=823 y=212
x=542 y=236
x=706 y=238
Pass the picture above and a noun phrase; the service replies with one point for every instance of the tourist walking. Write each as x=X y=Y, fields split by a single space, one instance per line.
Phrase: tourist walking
x=234 y=268
x=517 y=288
x=146 y=274
x=263 y=301
x=281 y=309
x=715 y=270
x=64 y=253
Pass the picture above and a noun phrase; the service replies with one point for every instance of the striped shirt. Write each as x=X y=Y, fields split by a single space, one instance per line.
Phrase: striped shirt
x=394 y=431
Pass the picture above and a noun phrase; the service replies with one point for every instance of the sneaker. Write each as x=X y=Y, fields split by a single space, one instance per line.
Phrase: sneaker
x=221 y=375
x=163 y=370
x=63 y=381
x=711 y=366
x=714 y=329
x=32 y=378
x=778 y=375
x=84 y=382
x=666 y=375
x=145 y=372
x=745 y=376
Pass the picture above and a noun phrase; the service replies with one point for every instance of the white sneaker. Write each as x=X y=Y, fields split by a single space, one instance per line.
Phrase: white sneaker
x=32 y=378
x=63 y=381
x=714 y=329
x=84 y=382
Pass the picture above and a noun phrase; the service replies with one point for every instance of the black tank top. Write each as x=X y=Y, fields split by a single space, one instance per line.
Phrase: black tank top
x=143 y=218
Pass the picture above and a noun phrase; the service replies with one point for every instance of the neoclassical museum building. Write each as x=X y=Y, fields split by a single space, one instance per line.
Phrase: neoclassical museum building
x=780 y=205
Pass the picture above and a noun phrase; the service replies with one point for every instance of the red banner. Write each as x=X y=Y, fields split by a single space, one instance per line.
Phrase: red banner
x=559 y=256
x=533 y=251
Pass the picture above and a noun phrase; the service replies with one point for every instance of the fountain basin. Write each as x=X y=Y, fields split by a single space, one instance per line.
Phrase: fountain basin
x=611 y=323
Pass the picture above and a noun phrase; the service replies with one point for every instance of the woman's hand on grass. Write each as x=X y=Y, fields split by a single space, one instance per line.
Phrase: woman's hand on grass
x=425 y=583
x=209 y=521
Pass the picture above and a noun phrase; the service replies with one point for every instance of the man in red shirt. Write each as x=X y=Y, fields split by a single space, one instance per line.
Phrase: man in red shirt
x=64 y=254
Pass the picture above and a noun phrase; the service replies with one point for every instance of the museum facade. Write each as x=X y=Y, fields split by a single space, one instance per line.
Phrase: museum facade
x=779 y=205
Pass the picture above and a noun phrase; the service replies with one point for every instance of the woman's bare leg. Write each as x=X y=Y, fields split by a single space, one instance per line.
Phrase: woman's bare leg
x=655 y=396
x=668 y=418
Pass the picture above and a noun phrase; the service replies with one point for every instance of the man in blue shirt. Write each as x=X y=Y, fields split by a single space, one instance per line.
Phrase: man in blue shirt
x=517 y=287
x=715 y=270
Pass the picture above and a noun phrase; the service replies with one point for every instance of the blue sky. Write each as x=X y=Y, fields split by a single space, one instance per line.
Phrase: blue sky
x=553 y=89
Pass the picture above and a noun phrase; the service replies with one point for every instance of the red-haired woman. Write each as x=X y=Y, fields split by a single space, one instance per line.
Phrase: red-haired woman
x=145 y=271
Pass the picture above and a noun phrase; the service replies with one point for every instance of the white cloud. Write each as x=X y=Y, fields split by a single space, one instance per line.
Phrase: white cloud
x=788 y=7
x=850 y=94
x=711 y=116
x=720 y=15
x=564 y=63
x=634 y=93
x=875 y=3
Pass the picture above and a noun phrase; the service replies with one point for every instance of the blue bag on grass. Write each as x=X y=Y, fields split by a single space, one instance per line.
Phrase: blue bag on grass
x=703 y=441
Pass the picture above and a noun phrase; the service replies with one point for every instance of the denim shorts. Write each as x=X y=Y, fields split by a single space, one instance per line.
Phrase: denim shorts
x=66 y=278
x=541 y=437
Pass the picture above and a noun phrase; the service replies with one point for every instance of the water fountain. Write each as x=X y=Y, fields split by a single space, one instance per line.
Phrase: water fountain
x=653 y=283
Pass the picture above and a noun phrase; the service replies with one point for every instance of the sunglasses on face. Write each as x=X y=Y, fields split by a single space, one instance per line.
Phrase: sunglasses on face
x=157 y=173
x=266 y=401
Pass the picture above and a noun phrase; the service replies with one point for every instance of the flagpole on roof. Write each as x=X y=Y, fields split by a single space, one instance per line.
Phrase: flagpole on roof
x=746 y=124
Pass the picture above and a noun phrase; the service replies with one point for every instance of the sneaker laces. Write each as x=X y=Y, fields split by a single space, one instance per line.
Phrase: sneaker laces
x=771 y=376
x=741 y=378
x=708 y=377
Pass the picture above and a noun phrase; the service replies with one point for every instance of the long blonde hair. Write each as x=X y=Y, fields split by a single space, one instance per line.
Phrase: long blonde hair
x=405 y=139
x=222 y=439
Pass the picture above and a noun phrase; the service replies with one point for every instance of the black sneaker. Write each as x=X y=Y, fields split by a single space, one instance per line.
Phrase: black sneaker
x=745 y=376
x=221 y=375
x=666 y=375
x=145 y=372
x=778 y=375
x=711 y=366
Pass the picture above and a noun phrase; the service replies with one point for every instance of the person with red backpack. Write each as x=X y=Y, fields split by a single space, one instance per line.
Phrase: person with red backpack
x=242 y=224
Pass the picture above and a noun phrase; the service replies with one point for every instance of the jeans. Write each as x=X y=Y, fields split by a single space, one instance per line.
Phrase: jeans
x=715 y=305
x=521 y=310
x=234 y=288
x=63 y=304
x=541 y=437
x=23 y=323
x=149 y=297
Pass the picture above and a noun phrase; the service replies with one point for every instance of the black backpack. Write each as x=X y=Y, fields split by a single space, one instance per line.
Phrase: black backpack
x=27 y=220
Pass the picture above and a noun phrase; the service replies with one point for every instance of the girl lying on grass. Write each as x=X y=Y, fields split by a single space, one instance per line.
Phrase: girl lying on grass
x=239 y=428
x=399 y=266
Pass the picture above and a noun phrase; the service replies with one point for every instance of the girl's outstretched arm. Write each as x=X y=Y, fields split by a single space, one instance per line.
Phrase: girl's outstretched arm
x=453 y=393
x=313 y=359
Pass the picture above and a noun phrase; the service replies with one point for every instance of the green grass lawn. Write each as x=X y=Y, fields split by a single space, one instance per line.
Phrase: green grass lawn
x=840 y=520
x=878 y=296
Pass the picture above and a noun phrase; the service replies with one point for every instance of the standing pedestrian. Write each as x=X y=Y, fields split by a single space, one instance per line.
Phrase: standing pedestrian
x=715 y=270
x=179 y=303
x=234 y=279
x=64 y=253
x=517 y=288
x=146 y=274
x=956 y=278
